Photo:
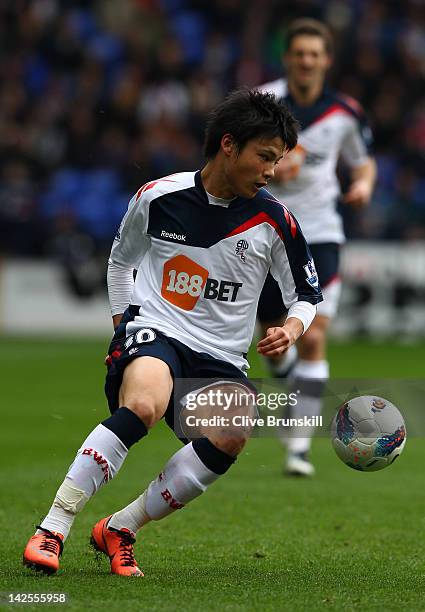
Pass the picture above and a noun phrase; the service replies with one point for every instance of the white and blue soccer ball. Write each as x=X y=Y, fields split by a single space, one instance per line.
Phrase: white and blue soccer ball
x=368 y=433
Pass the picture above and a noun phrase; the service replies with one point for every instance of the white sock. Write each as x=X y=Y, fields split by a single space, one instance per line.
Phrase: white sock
x=98 y=460
x=183 y=478
x=298 y=439
x=58 y=519
x=133 y=516
x=280 y=366
x=303 y=377
x=311 y=370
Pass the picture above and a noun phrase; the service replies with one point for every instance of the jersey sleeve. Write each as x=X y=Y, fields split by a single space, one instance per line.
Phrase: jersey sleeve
x=131 y=241
x=292 y=264
x=357 y=145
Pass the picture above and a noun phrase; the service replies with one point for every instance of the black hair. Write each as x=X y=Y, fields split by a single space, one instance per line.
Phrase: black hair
x=310 y=27
x=246 y=114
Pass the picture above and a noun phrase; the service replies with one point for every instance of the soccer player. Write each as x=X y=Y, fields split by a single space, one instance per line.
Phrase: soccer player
x=202 y=244
x=333 y=127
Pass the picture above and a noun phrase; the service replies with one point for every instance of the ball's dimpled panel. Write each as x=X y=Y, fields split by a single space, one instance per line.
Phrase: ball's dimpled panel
x=368 y=433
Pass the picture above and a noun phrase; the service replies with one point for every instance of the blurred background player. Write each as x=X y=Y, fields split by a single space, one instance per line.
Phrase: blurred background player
x=333 y=128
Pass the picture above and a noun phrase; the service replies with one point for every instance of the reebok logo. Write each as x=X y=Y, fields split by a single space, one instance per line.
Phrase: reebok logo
x=173 y=236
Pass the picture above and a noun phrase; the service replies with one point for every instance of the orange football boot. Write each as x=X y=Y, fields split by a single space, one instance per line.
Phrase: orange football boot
x=118 y=545
x=43 y=551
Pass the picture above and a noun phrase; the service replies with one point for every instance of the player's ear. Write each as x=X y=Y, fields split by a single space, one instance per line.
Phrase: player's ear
x=228 y=144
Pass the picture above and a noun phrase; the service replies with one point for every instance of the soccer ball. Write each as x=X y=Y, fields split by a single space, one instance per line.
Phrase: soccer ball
x=368 y=433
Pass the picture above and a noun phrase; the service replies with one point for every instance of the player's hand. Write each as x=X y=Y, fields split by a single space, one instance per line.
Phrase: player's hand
x=116 y=320
x=276 y=342
x=289 y=166
x=359 y=194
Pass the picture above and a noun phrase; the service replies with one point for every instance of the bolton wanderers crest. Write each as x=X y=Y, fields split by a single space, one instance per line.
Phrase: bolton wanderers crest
x=241 y=247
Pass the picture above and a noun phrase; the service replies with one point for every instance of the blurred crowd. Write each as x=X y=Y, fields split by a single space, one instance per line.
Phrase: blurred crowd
x=98 y=97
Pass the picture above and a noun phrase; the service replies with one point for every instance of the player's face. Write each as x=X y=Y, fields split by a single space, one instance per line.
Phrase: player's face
x=307 y=61
x=250 y=169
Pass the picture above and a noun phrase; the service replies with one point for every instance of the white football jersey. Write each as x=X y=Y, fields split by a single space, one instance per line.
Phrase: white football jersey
x=333 y=127
x=201 y=267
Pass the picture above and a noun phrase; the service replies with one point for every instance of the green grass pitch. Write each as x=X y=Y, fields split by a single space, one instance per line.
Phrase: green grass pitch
x=255 y=541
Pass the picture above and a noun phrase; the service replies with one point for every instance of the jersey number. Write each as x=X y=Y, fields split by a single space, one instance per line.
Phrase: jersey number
x=140 y=337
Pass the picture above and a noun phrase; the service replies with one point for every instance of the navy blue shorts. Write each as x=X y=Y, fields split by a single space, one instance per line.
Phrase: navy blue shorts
x=326 y=259
x=183 y=362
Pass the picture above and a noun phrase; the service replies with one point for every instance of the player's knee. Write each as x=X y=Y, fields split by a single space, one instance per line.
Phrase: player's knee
x=312 y=341
x=145 y=409
x=232 y=443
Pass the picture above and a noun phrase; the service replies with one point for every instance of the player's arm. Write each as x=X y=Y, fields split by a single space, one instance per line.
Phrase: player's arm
x=363 y=179
x=129 y=247
x=120 y=287
x=289 y=166
x=116 y=320
x=279 y=339
x=356 y=152
x=293 y=268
